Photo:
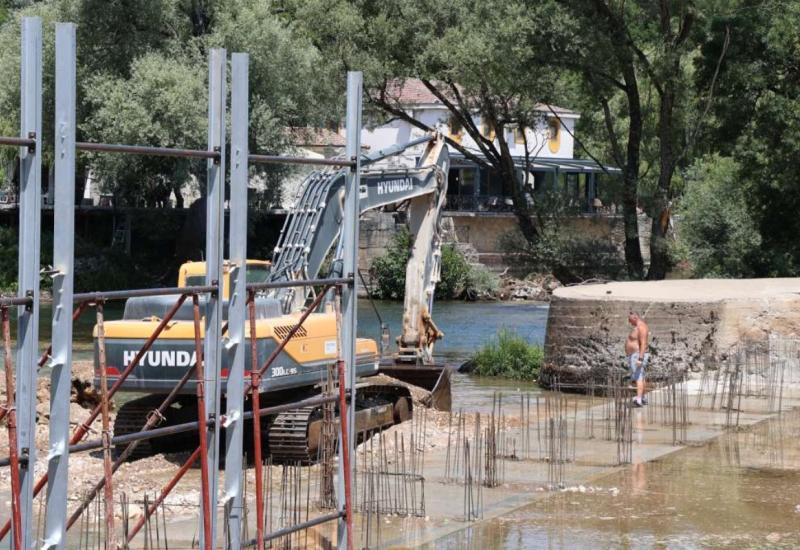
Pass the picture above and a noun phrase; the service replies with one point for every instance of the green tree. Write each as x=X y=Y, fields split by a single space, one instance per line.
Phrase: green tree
x=159 y=104
x=716 y=232
x=141 y=79
x=474 y=56
x=757 y=119
x=635 y=58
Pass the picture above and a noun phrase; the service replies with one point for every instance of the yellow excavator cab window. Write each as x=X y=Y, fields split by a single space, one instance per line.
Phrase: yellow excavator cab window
x=194 y=274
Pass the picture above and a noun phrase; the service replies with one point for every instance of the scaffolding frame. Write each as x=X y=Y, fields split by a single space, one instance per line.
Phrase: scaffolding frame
x=20 y=406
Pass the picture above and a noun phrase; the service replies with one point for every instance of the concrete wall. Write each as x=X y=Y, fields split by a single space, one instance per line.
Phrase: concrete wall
x=483 y=233
x=691 y=323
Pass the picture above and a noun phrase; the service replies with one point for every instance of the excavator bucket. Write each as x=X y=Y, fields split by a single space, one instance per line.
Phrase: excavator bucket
x=433 y=378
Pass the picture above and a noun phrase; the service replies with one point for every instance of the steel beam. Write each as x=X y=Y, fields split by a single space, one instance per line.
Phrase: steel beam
x=215 y=233
x=234 y=424
x=30 y=210
x=63 y=263
x=349 y=294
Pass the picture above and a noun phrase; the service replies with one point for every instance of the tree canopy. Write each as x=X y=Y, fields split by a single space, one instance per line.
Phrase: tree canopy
x=695 y=101
x=142 y=73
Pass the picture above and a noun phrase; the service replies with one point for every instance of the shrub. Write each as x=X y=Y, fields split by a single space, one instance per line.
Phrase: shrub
x=459 y=279
x=455 y=274
x=570 y=256
x=716 y=232
x=508 y=355
x=481 y=283
x=389 y=270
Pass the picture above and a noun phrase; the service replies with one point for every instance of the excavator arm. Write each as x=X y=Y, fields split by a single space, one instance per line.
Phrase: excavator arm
x=312 y=228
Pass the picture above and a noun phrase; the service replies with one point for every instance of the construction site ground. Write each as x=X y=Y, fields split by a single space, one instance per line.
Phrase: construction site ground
x=744 y=476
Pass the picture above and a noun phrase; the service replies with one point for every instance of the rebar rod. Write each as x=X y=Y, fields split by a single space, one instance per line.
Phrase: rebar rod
x=153 y=418
x=10 y=409
x=83 y=428
x=106 y=433
x=345 y=451
x=164 y=493
x=255 y=388
x=202 y=424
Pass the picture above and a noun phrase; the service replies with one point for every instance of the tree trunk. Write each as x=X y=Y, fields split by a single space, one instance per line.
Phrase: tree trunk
x=522 y=210
x=630 y=191
x=659 y=250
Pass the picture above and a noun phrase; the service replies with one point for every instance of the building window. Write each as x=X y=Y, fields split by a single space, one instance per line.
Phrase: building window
x=554 y=135
x=456 y=130
x=519 y=135
x=487 y=129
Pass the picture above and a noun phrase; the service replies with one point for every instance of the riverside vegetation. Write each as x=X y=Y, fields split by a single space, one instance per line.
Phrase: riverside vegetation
x=508 y=355
x=459 y=278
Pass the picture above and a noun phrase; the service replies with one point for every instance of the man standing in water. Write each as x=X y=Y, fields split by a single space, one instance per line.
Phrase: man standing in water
x=637 y=356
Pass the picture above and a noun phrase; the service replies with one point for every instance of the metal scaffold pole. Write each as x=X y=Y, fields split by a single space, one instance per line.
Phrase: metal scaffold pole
x=234 y=423
x=349 y=304
x=215 y=232
x=63 y=261
x=28 y=275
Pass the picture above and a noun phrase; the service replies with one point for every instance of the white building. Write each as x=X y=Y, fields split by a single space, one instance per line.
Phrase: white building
x=550 y=146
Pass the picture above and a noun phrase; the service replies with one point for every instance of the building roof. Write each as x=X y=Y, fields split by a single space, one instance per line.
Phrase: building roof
x=307 y=136
x=412 y=92
x=547 y=164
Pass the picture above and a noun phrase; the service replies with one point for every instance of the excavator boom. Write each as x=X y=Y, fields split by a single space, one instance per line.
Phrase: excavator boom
x=312 y=228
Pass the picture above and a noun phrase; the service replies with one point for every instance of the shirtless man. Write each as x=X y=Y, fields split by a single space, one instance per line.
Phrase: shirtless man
x=637 y=356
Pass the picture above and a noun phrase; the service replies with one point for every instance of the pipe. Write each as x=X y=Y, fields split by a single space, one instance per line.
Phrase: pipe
x=16 y=301
x=147 y=150
x=301 y=282
x=176 y=429
x=141 y=293
x=20 y=141
x=297 y=527
x=277 y=159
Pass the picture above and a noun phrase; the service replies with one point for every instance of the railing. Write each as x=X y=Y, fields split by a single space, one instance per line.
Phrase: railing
x=479 y=203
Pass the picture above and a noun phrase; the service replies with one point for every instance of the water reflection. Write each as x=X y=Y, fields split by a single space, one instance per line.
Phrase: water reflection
x=740 y=490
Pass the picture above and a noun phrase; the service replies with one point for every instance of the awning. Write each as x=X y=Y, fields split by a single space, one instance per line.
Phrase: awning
x=581 y=166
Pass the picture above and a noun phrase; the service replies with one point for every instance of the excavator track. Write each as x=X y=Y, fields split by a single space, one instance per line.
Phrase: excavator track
x=131 y=418
x=288 y=437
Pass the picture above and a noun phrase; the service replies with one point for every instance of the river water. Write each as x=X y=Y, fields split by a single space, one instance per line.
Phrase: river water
x=466 y=326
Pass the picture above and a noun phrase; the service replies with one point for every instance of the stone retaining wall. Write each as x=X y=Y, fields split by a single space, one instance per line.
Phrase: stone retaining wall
x=586 y=331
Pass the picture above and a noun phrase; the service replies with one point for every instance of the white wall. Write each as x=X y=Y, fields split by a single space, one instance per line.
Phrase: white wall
x=398 y=131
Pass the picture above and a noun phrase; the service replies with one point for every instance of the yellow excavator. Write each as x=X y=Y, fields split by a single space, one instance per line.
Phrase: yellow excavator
x=306 y=243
